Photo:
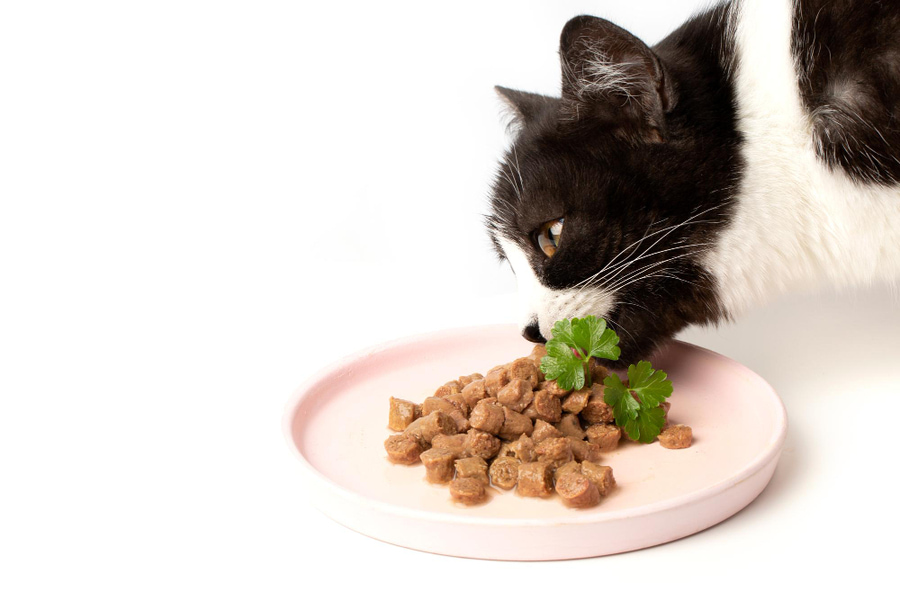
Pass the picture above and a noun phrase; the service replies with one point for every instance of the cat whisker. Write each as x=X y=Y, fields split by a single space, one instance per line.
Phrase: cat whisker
x=637 y=275
x=587 y=280
x=610 y=278
x=635 y=304
x=665 y=230
x=621 y=329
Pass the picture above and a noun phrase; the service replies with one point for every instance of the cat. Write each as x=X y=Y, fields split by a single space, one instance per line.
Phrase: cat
x=753 y=151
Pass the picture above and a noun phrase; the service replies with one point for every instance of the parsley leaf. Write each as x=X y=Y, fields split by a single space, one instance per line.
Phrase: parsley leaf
x=562 y=331
x=651 y=386
x=647 y=426
x=561 y=364
x=642 y=418
x=616 y=394
x=598 y=340
x=573 y=344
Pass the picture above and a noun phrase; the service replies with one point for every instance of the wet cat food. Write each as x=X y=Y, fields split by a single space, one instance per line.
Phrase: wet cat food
x=512 y=429
x=676 y=437
x=468 y=490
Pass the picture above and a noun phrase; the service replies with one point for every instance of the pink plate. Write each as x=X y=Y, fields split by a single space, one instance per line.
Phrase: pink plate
x=337 y=422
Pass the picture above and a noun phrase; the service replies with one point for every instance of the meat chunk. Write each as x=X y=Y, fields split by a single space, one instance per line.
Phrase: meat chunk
x=546 y=406
x=530 y=412
x=535 y=480
x=481 y=444
x=596 y=410
x=551 y=387
x=403 y=449
x=516 y=394
x=473 y=467
x=555 y=451
x=601 y=475
x=576 y=401
x=474 y=392
x=439 y=465
x=402 y=413
x=583 y=450
x=676 y=437
x=467 y=490
x=487 y=416
x=451 y=409
x=437 y=403
x=514 y=425
x=504 y=472
x=524 y=369
x=425 y=428
x=495 y=380
x=459 y=401
x=573 y=466
x=604 y=435
x=465 y=380
x=544 y=430
x=570 y=426
x=537 y=354
x=505 y=450
x=454 y=443
x=523 y=449
x=451 y=387
x=577 y=491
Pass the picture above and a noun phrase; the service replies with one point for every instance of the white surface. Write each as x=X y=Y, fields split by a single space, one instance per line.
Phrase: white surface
x=196 y=198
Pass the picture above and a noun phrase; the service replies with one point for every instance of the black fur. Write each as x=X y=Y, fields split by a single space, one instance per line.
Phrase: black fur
x=620 y=168
x=848 y=57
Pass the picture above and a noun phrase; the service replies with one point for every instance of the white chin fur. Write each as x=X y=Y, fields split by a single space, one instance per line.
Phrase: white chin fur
x=539 y=303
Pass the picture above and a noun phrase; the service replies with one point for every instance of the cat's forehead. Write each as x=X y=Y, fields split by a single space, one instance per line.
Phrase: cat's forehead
x=541 y=178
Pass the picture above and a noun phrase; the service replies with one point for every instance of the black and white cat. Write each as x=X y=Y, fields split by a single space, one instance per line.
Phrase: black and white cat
x=754 y=150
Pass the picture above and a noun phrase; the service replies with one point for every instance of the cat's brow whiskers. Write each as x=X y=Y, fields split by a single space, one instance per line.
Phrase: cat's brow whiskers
x=511 y=182
x=518 y=169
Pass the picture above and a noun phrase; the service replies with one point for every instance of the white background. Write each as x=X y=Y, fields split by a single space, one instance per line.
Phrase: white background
x=202 y=203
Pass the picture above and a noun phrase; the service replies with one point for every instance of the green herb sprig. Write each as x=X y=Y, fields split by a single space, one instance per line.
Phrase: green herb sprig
x=570 y=349
x=636 y=406
x=643 y=418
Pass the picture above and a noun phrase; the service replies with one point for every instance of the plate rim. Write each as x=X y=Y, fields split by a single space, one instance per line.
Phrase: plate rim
x=295 y=401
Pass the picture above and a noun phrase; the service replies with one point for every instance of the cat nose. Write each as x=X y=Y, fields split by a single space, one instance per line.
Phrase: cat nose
x=532 y=333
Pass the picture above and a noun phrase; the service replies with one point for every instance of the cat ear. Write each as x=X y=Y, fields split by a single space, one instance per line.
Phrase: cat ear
x=612 y=79
x=524 y=107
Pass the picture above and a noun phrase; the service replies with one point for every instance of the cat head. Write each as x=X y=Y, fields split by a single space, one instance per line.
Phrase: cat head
x=606 y=201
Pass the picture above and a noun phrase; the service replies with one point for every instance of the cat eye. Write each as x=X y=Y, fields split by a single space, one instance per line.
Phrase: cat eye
x=548 y=236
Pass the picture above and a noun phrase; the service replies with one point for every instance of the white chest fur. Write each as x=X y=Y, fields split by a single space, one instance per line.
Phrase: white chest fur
x=797 y=223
